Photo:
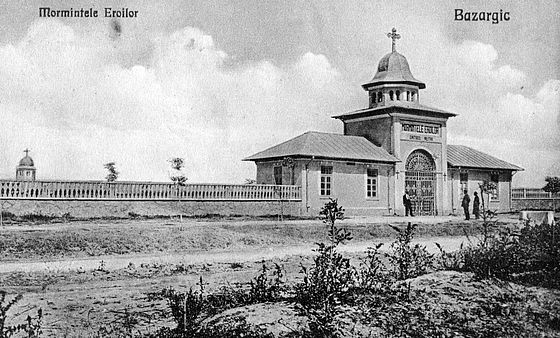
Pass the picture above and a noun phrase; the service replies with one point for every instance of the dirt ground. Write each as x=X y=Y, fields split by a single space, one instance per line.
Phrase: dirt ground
x=85 y=274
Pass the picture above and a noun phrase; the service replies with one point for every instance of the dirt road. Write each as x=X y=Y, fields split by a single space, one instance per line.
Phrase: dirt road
x=113 y=262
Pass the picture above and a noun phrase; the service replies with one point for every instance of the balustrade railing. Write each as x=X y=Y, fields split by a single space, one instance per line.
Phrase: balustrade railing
x=530 y=193
x=93 y=190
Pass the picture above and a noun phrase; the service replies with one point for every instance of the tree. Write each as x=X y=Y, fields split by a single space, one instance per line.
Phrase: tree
x=177 y=176
x=113 y=173
x=250 y=181
x=552 y=186
x=487 y=188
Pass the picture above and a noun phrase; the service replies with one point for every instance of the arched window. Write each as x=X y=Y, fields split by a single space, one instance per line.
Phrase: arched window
x=420 y=160
x=379 y=96
x=408 y=95
x=398 y=95
x=391 y=96
x=413 y=97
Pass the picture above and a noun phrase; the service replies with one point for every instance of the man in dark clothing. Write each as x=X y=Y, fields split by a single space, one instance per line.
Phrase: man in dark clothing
x=407 y=204
x=465 y=205
x=476 y=206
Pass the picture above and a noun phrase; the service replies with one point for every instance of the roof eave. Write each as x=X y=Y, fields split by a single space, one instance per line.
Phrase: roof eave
x=485 y=168
x=322 y=157
x=369 y=112
x=379 y=82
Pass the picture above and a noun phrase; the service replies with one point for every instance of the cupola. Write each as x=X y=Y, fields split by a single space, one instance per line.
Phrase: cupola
x=25 y=171
x=393 y=83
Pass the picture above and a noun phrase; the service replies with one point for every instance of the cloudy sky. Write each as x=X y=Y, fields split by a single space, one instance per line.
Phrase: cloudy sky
x=214 y=81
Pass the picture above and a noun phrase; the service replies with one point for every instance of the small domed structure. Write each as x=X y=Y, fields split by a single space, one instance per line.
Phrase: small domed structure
x=27 y=161
x=394 y=68
x=393 y=84
x=25 y=171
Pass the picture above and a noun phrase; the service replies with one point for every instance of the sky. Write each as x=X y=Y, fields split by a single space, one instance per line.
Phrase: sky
x=216 y=81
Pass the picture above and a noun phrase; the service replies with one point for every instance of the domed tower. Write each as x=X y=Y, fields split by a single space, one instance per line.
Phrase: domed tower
x=393 y=83
x=25 y=171
x=413 y=132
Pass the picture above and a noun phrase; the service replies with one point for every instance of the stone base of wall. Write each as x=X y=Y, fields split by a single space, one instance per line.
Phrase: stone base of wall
x=121 y=209
x=534 y=204
x=353 y=212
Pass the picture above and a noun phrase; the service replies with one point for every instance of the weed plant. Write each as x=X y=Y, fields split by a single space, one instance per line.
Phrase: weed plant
x=31 y=327
x=326 y=285
x=372 y=274
x=265 y=288
x=407 y=260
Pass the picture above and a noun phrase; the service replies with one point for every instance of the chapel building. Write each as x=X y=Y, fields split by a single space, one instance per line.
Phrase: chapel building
x=25 y=170
x=395 y=145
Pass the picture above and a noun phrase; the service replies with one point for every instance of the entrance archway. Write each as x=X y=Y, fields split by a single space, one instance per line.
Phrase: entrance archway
x=420 y=182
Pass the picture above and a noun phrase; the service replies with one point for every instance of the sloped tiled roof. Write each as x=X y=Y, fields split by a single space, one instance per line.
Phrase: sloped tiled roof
x=326 y=145
x=462 y=156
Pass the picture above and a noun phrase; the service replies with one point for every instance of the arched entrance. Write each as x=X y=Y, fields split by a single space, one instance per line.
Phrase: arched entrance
x=420 y=182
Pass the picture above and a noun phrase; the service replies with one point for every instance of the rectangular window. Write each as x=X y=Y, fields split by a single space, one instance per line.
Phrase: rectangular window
x=278 y=175
x=326 y=180
x=371 y=183
x=495 y=178
x=463 y=183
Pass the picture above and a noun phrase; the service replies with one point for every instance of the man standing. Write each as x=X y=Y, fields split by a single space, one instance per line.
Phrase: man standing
x=407 y=204
x=476 y=206
x=465 y=205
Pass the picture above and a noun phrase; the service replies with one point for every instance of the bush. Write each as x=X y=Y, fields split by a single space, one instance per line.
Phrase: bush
x=372 y=274
x=492 y=258
x=325 y=285
x=538 y=250
x=408 y=261
x=530 y=256
x=265 y=289
x=31 y=327
x=186 y=308
x=454 y=260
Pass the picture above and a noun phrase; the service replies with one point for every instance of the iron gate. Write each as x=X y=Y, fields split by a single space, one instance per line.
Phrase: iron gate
x=421 y=187
x=420 y=182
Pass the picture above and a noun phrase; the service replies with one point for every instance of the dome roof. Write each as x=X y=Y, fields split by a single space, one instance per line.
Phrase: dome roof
x=27 y=161
x=393 y=68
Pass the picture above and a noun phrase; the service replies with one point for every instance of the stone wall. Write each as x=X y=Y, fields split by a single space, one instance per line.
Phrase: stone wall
x=123 y=208
x=533 y=204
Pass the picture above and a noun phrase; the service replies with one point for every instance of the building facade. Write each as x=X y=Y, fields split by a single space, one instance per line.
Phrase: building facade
x=394 y=145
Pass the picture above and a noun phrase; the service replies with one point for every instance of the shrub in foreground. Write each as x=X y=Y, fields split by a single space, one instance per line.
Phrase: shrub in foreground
x=31 y=327
x=326 y=284
x=407 y=260
x=530 y=256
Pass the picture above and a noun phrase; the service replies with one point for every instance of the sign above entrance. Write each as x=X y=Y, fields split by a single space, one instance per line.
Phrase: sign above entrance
x=419 y=131
x=421 y=128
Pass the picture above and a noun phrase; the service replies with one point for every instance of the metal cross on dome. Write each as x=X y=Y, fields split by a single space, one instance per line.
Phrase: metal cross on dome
x=26 y=151
x=394 y=36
